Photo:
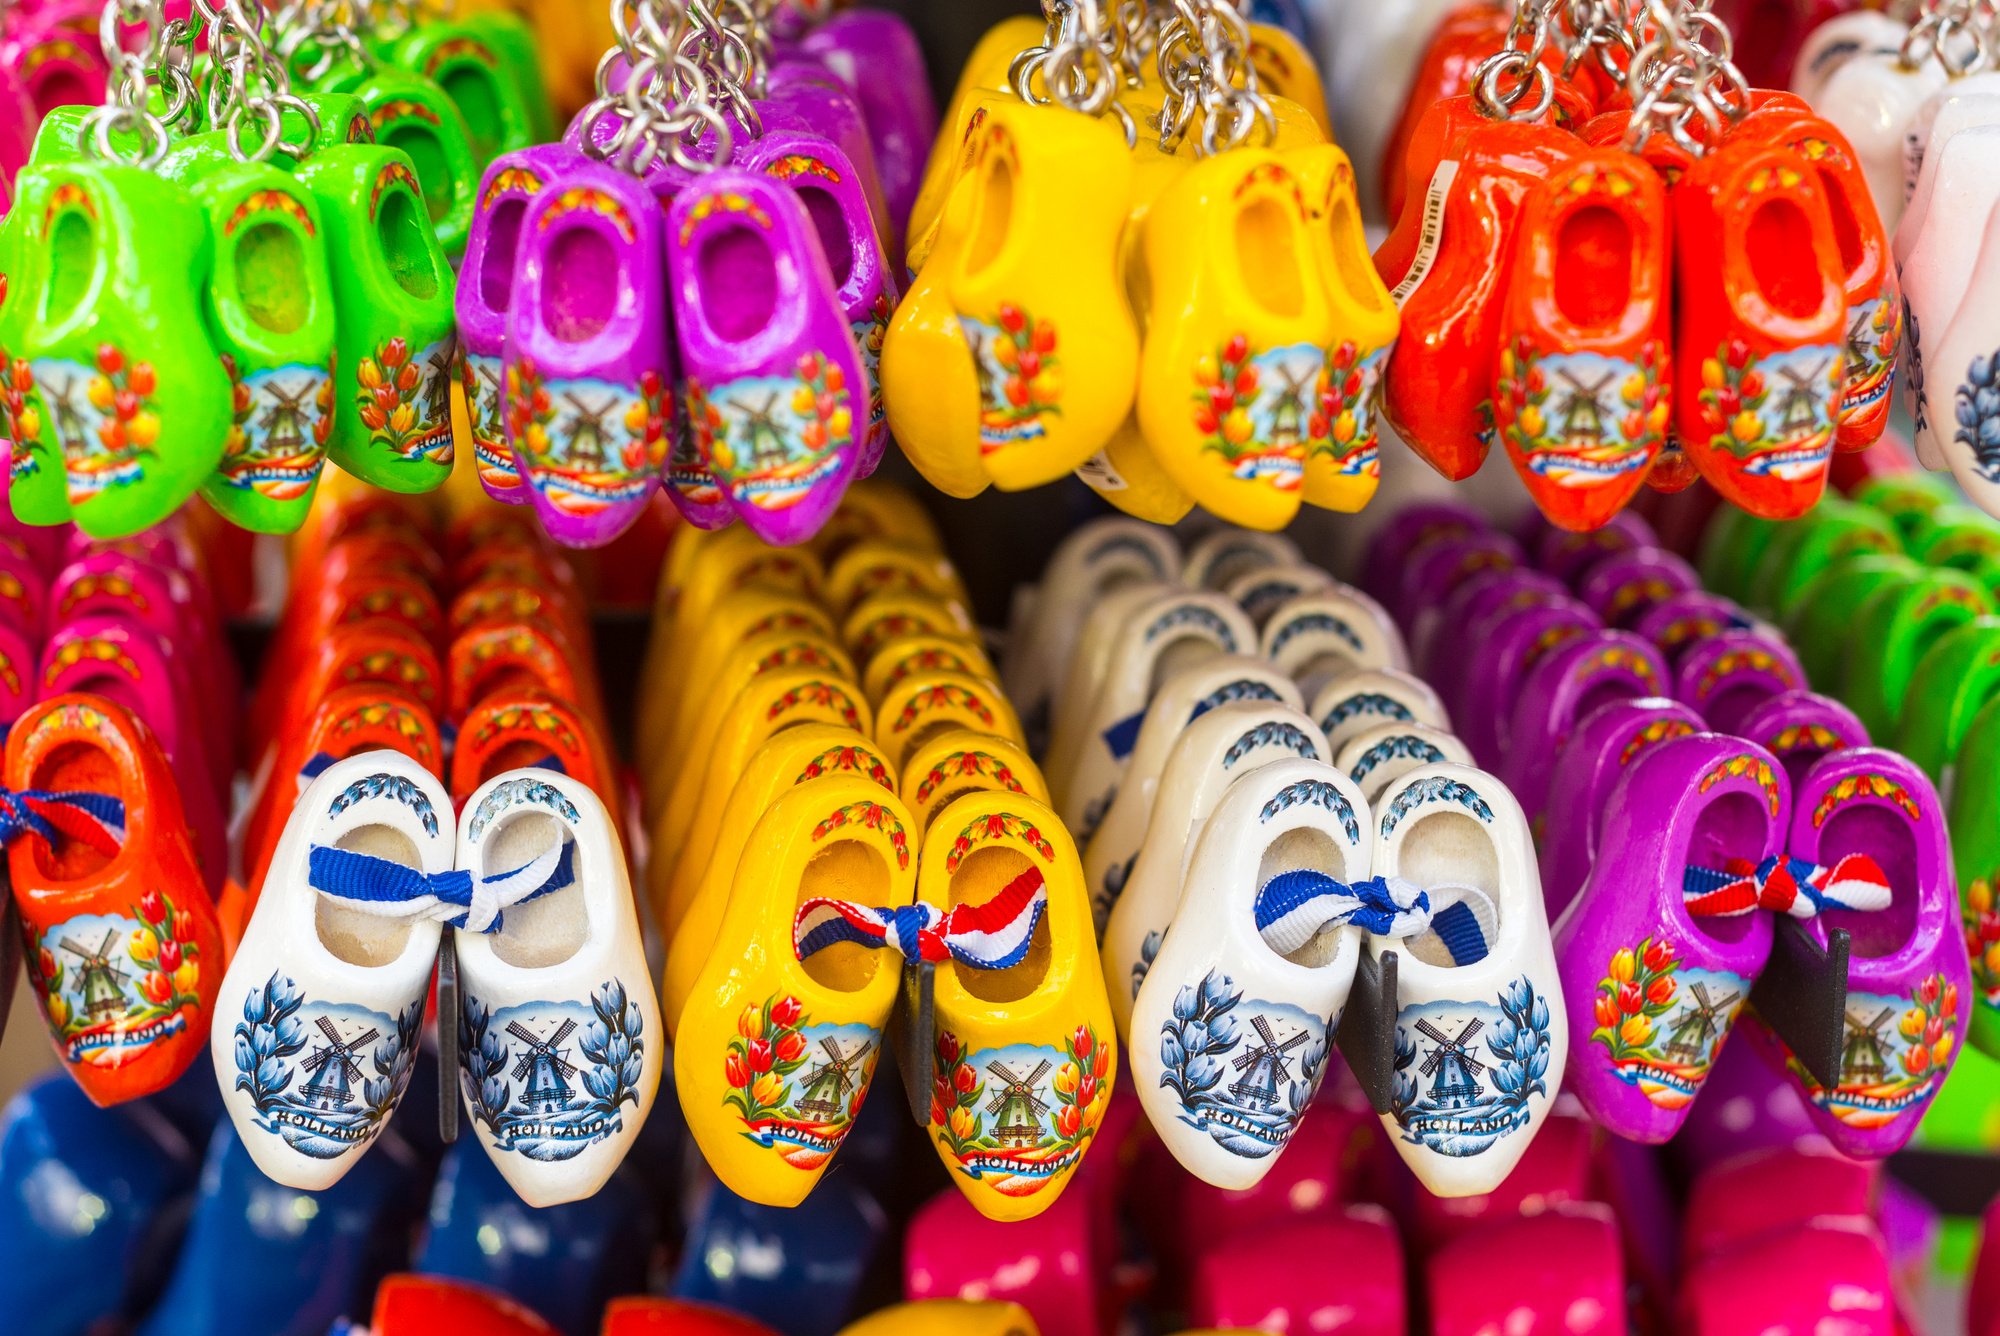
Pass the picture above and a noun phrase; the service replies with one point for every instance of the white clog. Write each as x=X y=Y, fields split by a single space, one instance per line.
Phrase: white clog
x=1236 y=1017
x=1871 y=99
x=1378 y=756
x=1355 y=702
x=1860 y=32
x=1226 y=743
x=1181 y=699
x=1088 y=664
x=1964 y=195
x=1260 y=590
x=1317 y=637
x=1962 y=380
x=317 y=1020
x=1481 y=1034
x=1227 y=553
x=1949 y=113
x=560 y=1040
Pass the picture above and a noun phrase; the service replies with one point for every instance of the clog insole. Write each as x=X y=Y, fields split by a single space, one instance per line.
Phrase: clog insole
x=1731 y=829
x=1885 y=836
x=548 y=929
x=74 y=767
x=982 y=876
x=1452 y=849
x=844 y=870
x=1310 y=850
x=355 y=935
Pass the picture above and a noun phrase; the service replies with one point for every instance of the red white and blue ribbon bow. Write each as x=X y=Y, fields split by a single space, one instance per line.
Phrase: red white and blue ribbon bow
x=989 y=936
x=1294 y=907
x=96 y=820
x=396 y=890
x=1786 y=885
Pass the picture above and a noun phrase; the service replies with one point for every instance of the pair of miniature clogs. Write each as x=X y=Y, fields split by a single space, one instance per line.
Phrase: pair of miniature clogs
x=559 y=1030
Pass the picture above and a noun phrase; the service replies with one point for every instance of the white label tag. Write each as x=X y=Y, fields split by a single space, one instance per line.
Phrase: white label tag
x=1433 y=231
x=1098 y=473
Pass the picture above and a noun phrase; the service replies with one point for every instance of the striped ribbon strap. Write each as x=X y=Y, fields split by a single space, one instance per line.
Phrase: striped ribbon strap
x=989 y=936
x=1785 y=885
x=395 y=890
x=1294 y=907
x=96 y=820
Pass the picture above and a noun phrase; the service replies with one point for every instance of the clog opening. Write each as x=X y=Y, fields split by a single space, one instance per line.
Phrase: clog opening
x=1733 y=828
x=548 y=929
x=1185 y=652
x=1604 y=693
x=1594 y=267
x=1800 y=759
x=356 y=936
x=496 y=260
x=1885 y=836
x=404 y=245
x=995 y=203
x=269 y=263
x=1948 y=618
x=845 y=870
x=983 y=875
x=1322 y=671
x=72 y=257
x=580 y=284
x=831 y=225
x=1727 y=708
x=929 y=729
x=1350 y=256
x=1451 y=849
x=1778 y=242
x=472 y=91
x=426 y=154
x=73 y=767
x=1267 y=252
x=1303 y=847
x=740 y=277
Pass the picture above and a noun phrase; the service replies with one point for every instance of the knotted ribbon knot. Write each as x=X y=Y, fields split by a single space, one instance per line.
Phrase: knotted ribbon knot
x=1785 y=885
x=454 y=897
x=93 y=819
x=1295 y=906
x=988 y=936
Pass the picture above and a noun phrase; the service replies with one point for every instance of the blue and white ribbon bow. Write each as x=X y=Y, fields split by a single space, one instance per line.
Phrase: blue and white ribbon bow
x=989 y=936
x=93 y=819
x=1294 y=907
x=395 y=890
x=1785 y=885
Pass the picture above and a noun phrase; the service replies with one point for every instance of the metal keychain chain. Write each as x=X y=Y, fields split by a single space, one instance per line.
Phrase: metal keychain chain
x=1078 y=64
x=666 y=106
x=248 y=87
x=1958 y=34
x=159 y=60
x=325 y=29
x=1204 y=62
x=1513 y=84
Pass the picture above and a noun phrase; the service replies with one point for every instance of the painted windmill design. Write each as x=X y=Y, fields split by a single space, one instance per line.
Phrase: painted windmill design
x=1698 y=1025
x=103 y=982
x=72 y=433
x=548 y=1073
x=437 y=393
x=334 y=1069
x=829 y=1084
x=588 y=433
x=1288 y=417
x=1264 y=1065
x=761 y=431
x=1800 y=412
x=1583 y=411
x=1453 y=1069
x=283 y=423
x=1021 y=1110
x=1863 y=1059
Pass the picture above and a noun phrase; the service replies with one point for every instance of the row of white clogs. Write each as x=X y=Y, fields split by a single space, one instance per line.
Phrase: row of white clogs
x=320 y=1014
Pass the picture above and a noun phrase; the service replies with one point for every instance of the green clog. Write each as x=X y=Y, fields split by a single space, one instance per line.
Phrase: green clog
x=410 y=112
x=1802 y=548
x=1956 y=536
x=1906 y=498
x=1820 y=622
x=1730 y=550
x=36 y=491
x=392 y=293
x=1952 y=683
x=478 y=76
x=1893 y=630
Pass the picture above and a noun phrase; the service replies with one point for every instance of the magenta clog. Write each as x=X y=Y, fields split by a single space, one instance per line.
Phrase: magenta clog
x=771 y=367
x=1496 y=661
x=876 y=55
x=1439 y=567
x=1051 y=1265
x=1554 y=1171
x=1438 y=635
x=1799 y=727
x=1556 y=1273
x=1565 y=685
x=1624 y=586
x=1338 y=1270
x=1733 y=672
x=1769 y=1190
x=1676 y=625
x=822 y=104
x=1409 y=529
x=1567 y=555
x=1599 y=752
x=1823 y=1276
x=1653 y=976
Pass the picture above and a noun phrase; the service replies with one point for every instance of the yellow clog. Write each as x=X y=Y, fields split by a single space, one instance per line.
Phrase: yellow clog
x=1024 y=1055
x=959 y=761
x=880 y=565
x=774 y=1054
x=984 y=71
x=896 y=658
x=1285 y=69
x=930 y=381
x=880 y=618
x=795 y=756
x=877 y=508
x=925 y=703
x=947 y=1317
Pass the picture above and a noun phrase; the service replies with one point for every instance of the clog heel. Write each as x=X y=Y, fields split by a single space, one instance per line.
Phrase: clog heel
x=1481 y=1035
x=778 y=1043
x=124 y=951
x=1661 y=946
x=1024 y=1053
x=560 y=957
x=1037 y=290
x=1249 y=984
x=318 y=1018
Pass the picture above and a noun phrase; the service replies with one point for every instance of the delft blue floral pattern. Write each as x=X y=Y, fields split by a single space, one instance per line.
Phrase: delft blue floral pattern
x=1915 y=365
x=1366 y=702
x=1125 y=542
x=1320 y=794
x=1316 y=621
x=1480 y=1065
x=1436 y=788
x=1288 y=736
x=1978 y=412
x=1250 y=1106
x=1193 y=614
x=1267 y=593
x=1243 y=688
x=517 y=793
x=338 y=1105
x=1402 y=747
x=395 y=787
x=1149 y=950
x=561 y=1107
